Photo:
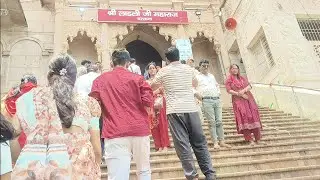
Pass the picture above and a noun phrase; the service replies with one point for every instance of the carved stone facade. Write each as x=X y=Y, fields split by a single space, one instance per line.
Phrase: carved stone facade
x=58 y=26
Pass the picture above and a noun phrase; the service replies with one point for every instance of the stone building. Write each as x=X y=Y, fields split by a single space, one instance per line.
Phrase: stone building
x=277 y=41
x=267 y=42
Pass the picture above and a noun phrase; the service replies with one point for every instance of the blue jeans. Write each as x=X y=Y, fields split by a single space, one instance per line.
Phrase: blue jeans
x=213 y=112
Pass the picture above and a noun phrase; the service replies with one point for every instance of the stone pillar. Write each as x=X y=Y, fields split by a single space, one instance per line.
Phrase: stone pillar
x=5 y=65
x=219 y=39
x=58 y=26
x=105 y=48
x=217 y=49
x=178 y=6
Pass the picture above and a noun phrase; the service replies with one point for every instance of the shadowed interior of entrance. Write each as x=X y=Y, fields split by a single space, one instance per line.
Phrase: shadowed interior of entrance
x=143 y=53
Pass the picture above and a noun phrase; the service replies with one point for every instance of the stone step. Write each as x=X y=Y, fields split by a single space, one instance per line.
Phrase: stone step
x=264 y=134
x=264 y=121
x=286 y=146
x=249 y=156
x=266 y=130
x=232 y=129
x=311 y=177
x=260 y=108
x=274 y=124
x=295 y=173
x=240 y=166
x=261 y=112
x=274 y=116
x=280 y=139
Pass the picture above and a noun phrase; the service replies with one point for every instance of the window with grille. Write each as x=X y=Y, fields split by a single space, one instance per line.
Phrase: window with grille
x=310 y=29
x=262 y=56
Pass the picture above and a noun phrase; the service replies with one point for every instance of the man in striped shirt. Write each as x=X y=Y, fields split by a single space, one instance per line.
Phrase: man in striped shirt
x=185 y=125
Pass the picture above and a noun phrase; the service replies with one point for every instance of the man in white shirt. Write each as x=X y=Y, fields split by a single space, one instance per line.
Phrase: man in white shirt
x=209 y=92
x=133 y=67
x=84 y=83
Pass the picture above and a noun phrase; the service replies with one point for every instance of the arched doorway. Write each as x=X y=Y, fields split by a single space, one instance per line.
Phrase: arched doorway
x=144 y=53
x=145 y=44
x=82 y=48
x=202 y=48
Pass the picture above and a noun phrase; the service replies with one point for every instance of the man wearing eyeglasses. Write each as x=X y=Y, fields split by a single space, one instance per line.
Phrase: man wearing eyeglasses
x=208 y=92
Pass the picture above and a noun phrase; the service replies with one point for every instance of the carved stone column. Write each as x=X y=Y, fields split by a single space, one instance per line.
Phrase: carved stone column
x=217 y=49
x=222 y=52
x=104 y=49
x=58 y=26
x=181 y=34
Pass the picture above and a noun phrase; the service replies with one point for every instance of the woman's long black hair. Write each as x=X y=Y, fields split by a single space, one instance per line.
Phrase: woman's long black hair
x=7 y=131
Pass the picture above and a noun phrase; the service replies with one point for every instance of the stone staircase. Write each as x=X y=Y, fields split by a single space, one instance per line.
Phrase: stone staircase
x=292 y=152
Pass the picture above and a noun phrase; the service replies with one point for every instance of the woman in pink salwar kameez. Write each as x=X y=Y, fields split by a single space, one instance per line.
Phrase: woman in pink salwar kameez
x=159 y=122
x=244 y=106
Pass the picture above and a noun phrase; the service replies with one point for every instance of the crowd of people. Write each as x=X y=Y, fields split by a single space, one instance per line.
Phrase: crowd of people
x=85 y=116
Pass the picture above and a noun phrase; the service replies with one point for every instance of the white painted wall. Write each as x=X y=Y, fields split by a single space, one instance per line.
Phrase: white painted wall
x=296 y=61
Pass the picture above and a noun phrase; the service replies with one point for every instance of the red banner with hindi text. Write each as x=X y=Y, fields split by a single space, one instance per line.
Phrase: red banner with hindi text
x=142 y=16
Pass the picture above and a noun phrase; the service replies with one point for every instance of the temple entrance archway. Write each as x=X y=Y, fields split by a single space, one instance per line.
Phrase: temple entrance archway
x=145 y=44
x=144 y=53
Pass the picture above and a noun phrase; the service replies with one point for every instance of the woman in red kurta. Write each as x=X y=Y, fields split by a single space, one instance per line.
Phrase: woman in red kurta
x=28 y=82
x=244 y=106
x=159 y=122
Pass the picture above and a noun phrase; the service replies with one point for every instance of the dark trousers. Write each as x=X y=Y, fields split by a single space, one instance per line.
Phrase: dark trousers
x=186 y=130
x=101 y=139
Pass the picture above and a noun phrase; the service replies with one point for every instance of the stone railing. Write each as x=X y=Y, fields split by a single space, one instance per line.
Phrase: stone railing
x=296 y=100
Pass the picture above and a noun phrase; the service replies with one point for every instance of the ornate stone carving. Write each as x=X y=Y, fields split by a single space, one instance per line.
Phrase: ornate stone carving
x=117 y=29
x=168 y=30
x=71 y=29
x=5 y=53
x=131 y=27
x=217 y=48
x=197 y=29
x=154 y=28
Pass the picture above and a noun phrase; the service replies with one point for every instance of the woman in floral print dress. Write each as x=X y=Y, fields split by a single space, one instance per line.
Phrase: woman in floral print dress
x=59 y=126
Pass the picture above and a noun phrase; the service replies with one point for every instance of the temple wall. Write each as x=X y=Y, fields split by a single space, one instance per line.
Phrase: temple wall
x=27 y=49
x=66 y=29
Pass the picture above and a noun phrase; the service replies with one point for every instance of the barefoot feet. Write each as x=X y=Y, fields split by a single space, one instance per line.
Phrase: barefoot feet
x=216 y=145
x=261 y=143
x=165 y=149
x=223 y=144
x=252 y=143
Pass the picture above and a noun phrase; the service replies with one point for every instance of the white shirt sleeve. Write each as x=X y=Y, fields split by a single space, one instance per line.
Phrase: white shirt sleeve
x=138 y=70
x=216 y=83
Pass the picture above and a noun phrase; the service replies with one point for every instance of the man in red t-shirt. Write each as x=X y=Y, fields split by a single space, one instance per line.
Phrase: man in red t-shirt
x=125 y=98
